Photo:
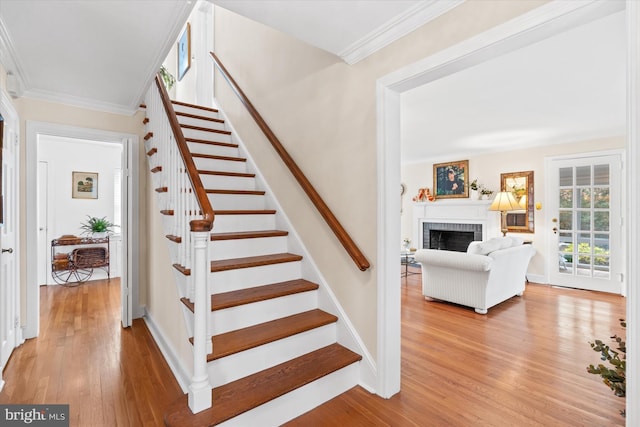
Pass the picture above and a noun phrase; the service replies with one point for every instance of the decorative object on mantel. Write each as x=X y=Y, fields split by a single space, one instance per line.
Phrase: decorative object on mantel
x=424 y=195
x=449 y=179
x=473 y=189
x=485 y=192
x=504 y=202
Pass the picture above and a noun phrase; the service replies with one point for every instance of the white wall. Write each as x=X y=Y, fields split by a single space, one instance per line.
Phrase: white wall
x=65 y=213
x=487 y=169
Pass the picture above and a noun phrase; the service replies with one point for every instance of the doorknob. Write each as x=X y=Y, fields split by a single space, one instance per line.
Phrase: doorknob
x=10 y=250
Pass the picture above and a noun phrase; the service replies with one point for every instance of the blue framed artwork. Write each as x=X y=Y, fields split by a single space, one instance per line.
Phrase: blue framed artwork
x=184 y=52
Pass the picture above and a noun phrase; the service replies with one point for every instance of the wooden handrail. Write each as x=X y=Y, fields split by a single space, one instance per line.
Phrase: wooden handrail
x=206 y=223
x=344 y=238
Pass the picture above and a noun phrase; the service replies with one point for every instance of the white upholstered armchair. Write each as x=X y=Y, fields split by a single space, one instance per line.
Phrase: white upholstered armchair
x=487 y=274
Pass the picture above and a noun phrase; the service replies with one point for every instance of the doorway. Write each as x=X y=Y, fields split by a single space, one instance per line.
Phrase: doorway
x=129 y=213
x=542 y=22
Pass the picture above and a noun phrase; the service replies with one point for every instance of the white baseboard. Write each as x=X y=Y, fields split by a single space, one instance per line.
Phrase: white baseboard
x=176 y=367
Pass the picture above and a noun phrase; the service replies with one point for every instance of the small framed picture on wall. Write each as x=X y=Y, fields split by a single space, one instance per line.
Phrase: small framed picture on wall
x=450 y=179
x=84 y=185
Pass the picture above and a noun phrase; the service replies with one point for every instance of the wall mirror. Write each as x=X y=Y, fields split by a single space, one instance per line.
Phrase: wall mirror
x=521 y=185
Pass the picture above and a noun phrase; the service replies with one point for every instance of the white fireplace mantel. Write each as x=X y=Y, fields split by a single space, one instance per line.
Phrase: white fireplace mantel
x=455 y=211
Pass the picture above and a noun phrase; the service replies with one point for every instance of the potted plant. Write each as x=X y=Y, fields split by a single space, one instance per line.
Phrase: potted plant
x=167 y=78
x=485 y=192
x=98 y=227
x=615 y=375
x=473 y=190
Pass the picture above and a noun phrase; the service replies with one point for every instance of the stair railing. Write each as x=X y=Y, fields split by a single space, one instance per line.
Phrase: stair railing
x=326 y=213
x=190 y=215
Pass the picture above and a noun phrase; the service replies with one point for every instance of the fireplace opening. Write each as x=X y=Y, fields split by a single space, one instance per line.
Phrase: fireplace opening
x=450 y=240
x=449 y=236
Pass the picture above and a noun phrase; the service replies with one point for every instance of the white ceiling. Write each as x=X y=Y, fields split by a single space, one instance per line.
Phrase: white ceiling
x=350 y=29
x=95 y=54
x=567 y=88
x=103 y=54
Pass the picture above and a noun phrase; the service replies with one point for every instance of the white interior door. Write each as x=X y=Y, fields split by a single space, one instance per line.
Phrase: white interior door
x=9 y=276
x=586 y=222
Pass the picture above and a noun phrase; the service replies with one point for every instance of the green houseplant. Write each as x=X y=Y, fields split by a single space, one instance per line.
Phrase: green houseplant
x=614 y=376
x=167 y=78
x=94 y=225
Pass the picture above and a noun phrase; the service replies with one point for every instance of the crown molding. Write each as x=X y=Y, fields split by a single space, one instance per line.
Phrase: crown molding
x=85 y=103
x=9 y=61
x=398 y=27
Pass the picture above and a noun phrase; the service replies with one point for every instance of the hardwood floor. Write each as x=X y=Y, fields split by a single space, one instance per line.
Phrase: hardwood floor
x=109 y=376
x=523 y=364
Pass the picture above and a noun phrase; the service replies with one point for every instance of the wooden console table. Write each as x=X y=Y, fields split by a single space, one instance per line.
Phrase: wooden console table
x=74 y=258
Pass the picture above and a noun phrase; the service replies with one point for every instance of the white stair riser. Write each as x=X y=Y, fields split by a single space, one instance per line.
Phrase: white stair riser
x=196 y=111
x=245 y=315
x=203 y=123
x=207 y=136
x=236 y=201
x=216 y=150
x=232 y=280
x=231 y=368
x=228 y=223
x=293 y=404
x=203 y=163
x=228 y=182
x=236 y=248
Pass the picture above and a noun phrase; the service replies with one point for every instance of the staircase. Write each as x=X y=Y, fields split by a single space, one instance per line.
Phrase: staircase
x=274 y=353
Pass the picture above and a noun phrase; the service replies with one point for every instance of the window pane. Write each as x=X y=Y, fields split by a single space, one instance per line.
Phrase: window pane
x=601 y=174
x=566 y=177
x=584 y=220
x=585 y=198
x=601 y=244
x=583 y=175
x=601 y=221
x=566 y=198
x=566 y=220
x=601 y=198
x=584 y=243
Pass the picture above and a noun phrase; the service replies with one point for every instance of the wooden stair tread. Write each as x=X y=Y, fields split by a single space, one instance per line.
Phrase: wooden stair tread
x=256 y=294
x=246 y=393
x=254 y=336
x=224 y=173
x=204 y=141
x=203 y=129
x=246 y=212
x=240 y=192
x=200 y=107
x=253 y=261
x=213 y=156
x=235 y=235
x=196 y=116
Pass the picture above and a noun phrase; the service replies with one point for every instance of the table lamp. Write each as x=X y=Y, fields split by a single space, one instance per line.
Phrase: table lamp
x=504 y=202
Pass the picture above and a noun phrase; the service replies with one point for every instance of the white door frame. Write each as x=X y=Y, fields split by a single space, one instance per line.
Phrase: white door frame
x=130 y=213
x=541 y=22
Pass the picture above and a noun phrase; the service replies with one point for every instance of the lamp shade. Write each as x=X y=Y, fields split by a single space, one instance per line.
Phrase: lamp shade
x=504 y=201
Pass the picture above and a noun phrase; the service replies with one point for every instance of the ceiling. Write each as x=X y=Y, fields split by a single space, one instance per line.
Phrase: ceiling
x=567 y=88
x=94 y=54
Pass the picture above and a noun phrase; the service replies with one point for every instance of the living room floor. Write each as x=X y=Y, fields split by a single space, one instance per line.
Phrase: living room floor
x=522 y=364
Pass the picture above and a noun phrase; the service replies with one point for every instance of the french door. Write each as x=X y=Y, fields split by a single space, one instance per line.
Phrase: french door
x=586 y=222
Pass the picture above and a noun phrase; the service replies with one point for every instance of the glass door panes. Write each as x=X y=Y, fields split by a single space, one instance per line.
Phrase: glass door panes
x=583 y=221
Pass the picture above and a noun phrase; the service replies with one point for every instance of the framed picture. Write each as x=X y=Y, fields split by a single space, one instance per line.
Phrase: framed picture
x=84 y=185
x=184 y=52
x=450 y=179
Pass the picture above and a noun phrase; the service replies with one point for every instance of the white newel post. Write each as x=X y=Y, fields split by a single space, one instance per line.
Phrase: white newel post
x=200 y=389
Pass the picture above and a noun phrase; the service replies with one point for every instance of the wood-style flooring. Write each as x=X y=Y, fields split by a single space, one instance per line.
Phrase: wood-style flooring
x=523 y=364
x=108 y=375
